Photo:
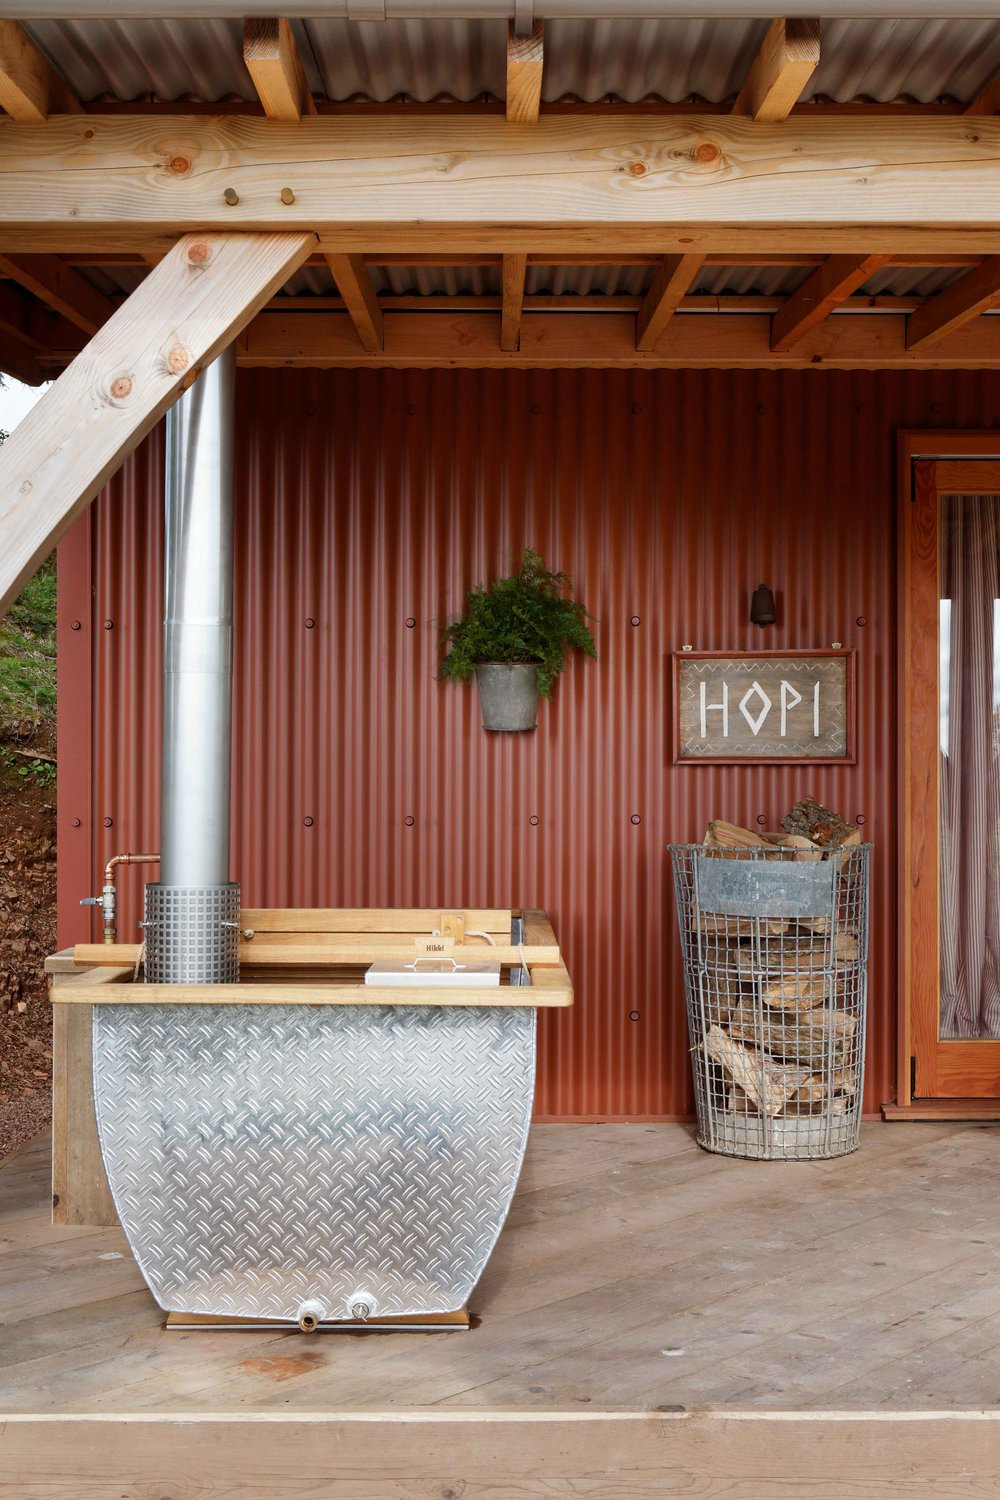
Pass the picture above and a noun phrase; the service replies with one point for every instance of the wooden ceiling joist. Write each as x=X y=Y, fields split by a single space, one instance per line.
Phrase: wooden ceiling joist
x=569 y=185
x=965 y=299
x=58 y=286
x=788 y=57
x=525 y=59
x=828 y=286
x=30 y=87
x=514 y=270
x=670 y=285
x=360 y=301
x=273 y=62
x=188 y=308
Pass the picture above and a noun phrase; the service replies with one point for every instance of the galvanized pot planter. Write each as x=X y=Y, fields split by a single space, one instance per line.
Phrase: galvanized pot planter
x=508 y=695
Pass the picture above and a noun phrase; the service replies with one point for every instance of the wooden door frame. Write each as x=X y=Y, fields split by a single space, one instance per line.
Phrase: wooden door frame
x=918 y=908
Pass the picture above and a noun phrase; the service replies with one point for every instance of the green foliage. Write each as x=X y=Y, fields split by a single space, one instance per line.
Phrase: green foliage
x=526 y=618
x=41 y=771
x=28 y=656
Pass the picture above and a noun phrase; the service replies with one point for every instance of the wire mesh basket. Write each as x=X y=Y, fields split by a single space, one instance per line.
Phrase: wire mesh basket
x=775 y=945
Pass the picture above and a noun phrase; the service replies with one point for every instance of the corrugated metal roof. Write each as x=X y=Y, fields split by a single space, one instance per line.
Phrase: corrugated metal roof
x=912 y=281
x=568 y=281
x=669 y=59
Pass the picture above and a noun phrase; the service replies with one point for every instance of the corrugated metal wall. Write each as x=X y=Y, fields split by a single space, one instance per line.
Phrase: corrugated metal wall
x=368 y=502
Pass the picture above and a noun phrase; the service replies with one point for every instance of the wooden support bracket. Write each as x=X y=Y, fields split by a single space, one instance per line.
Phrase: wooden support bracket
x=189 y=308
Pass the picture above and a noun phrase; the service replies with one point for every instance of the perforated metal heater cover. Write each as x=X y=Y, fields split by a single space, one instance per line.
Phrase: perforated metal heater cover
x=192 y=934
x=359 y=1156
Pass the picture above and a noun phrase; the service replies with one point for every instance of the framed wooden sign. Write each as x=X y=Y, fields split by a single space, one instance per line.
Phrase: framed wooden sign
x=764 y=707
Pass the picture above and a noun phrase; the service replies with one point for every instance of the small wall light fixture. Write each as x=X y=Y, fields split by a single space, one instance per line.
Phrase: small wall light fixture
x=762 y=610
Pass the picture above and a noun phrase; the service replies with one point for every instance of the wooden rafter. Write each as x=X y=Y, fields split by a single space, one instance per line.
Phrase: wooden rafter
x=60 y=287
x=788 y=57
x=525 y=60
x=186 y=310
x=30 y=87
x=987 y=101
x=454 y=187
x=828 y=286
x=355 y=287
x=273 y=62
x=670 y=285
x=965 y=299
x=514 y=270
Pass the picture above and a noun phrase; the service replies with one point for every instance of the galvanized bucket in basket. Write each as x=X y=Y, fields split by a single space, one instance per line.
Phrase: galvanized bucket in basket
x=775 y=945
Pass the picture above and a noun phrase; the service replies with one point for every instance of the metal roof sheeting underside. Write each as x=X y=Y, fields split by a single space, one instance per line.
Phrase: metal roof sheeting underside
x=670 y=59
x=568 y=281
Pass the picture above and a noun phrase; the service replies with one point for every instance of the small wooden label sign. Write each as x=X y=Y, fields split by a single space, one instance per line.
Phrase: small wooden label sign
x=435 y=945
x=764 y=707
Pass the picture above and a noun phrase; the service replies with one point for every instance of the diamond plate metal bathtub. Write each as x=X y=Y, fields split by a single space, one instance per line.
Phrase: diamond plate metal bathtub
x=360 y=1158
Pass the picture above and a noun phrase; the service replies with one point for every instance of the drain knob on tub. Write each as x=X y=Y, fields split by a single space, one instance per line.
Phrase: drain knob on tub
x=310 y=1315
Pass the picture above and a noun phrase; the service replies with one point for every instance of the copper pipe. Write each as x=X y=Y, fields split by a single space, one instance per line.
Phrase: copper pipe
x=127 y=859
x=109 y=896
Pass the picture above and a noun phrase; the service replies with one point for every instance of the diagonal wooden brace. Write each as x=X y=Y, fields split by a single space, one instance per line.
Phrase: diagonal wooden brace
x=201 y=295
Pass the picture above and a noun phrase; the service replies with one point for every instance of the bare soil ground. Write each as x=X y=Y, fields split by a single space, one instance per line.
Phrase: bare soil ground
x=27 y=936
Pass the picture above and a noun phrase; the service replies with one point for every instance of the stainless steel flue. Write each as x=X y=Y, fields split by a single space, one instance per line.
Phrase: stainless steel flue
x=192 y=914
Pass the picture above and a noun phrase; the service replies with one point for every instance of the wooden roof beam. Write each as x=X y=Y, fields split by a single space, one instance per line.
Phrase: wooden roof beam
x=60 y=287
x=454 y=187
x=515 y=268
x=525 y=59
x=360 y=301
x=959 y=303
x=275 y=66
x=188 y=309
x=828 y=286
x=431 y=340
x=788 y=57
x=670 y=285
x=30 y=87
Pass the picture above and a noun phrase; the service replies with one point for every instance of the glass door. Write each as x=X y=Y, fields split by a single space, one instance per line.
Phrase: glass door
x=952 y=757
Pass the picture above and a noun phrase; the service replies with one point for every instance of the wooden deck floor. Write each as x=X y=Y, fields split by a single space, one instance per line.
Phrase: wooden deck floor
x=638 y=1279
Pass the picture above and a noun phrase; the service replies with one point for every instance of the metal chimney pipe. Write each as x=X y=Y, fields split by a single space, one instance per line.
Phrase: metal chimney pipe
x=198 y=631
x=192 y=913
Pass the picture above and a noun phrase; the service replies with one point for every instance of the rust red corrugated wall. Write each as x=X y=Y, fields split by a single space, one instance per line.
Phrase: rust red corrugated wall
x=367 y=503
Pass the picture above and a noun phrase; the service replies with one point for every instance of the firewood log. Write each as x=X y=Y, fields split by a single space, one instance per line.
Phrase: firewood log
x=842 y=940
x=797 y=992
x=804 y=848
x=769 y=1084
x=731 y=929
x=723 y=835
x=811 y=820
x=719 y=994
x=795 y=952
x=803 y=1037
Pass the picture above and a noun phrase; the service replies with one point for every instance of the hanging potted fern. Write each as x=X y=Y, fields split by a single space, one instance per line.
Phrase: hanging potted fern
x=514 y=636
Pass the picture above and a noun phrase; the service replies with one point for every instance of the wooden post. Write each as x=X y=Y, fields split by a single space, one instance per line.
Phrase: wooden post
x=80 y=1191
